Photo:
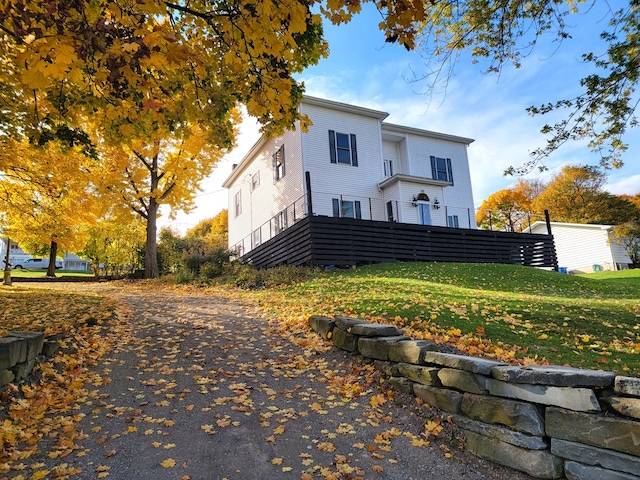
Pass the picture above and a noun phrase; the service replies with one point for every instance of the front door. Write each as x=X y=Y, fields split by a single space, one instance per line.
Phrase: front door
x=424 y=213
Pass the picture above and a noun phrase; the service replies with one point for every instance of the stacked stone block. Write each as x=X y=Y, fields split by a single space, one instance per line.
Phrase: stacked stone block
x=548 y=421
x=19 y=352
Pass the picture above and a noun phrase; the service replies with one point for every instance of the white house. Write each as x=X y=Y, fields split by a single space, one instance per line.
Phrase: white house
x=584 y=248
x=358 y=166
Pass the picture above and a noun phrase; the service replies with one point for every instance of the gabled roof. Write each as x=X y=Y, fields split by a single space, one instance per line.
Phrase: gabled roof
x=344 y=107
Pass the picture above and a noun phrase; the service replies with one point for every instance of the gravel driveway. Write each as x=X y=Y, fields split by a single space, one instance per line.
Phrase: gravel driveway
x=200 y=389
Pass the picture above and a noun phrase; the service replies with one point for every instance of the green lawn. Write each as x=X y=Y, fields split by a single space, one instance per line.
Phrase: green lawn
x=501 y=311
x=34 y=273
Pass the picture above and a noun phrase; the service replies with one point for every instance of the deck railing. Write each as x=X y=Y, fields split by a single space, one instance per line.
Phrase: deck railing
x=380 y=209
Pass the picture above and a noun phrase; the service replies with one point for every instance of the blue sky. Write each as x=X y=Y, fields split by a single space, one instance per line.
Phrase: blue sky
x=363 y=70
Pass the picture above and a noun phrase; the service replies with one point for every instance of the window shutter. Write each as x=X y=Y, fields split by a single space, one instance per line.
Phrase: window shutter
x=357 y=209
x=434 y=173
x=336 y=207
x=332 y=146
x=449 y=171
x=282 y=162
x=354 y=150
x=275 y=167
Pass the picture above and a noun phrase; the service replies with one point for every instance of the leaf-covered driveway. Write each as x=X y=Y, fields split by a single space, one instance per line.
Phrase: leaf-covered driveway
x=198 y=388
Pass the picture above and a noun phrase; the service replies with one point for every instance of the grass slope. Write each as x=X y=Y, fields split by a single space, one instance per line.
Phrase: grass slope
x=514 y=313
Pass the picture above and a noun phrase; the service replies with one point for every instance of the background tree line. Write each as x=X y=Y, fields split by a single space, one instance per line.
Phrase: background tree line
x=574 y=195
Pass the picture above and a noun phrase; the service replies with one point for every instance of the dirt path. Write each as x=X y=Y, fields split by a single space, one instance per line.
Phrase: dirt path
x=202 y=390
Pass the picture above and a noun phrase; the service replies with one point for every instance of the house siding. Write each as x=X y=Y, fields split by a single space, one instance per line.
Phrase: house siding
x=330 y=180
x=270 y=197
x=580 y=247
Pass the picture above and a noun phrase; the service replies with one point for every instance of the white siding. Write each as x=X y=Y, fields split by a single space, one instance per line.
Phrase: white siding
x=330 y=180
x=460 y=195
x=270 y=197
x=580 y=247
x=620 y=256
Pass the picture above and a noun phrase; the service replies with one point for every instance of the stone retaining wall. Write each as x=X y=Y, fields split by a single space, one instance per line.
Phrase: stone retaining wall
x=547 y=421
x=19 y=352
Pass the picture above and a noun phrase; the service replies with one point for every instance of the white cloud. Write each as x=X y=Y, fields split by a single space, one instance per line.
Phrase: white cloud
x=629 y=185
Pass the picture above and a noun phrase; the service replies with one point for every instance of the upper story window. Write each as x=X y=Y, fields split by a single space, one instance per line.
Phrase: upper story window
x=342 y=148
x=278 y=164
x=255 y=180
x=388 y=168
x=237 y=203
x=441 y=169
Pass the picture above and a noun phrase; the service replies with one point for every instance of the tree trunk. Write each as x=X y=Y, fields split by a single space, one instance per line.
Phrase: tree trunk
x=151 y=253
x=51 y=271
x=7 y=266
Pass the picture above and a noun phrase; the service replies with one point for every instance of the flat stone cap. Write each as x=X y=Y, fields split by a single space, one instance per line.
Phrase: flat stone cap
x=375 y=330
x=462 y=362
x=345 y=323
x=554 y=375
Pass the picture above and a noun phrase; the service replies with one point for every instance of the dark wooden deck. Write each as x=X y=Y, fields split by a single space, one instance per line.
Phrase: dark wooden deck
x=320 y=241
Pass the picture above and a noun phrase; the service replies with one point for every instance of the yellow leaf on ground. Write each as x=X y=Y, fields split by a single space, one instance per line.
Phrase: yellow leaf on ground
x=168 y=463
x=276 y=461
x=326 y=447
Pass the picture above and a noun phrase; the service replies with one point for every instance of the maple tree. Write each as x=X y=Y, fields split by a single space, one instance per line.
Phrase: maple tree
x=46 y=198
x=503 y=210
x=628 y=235
x=214 y=231
x=576 y=194
x=146 y=174
x=152 y=64
x=115 y=242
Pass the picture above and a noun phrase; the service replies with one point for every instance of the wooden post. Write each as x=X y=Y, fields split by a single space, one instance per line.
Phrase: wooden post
x=547 y=219
x=307 y=177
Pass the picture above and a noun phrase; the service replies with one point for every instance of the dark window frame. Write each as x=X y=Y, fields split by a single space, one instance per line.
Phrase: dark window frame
x=338 y=149
x=441 y=169
x=279 y=170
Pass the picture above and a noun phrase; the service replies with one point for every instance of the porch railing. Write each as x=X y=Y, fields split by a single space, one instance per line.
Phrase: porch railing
x=380 y=209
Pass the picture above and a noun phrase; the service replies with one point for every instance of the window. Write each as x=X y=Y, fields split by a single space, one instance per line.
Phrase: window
x=388 y=168
x=346 y=208
x=256 y=238
x=441 y=169
x=390 y=211
x=278 y=164
x=452 y=221
x=342 y=148
x=255 y=181
x=280 y=221
x=237 y=203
